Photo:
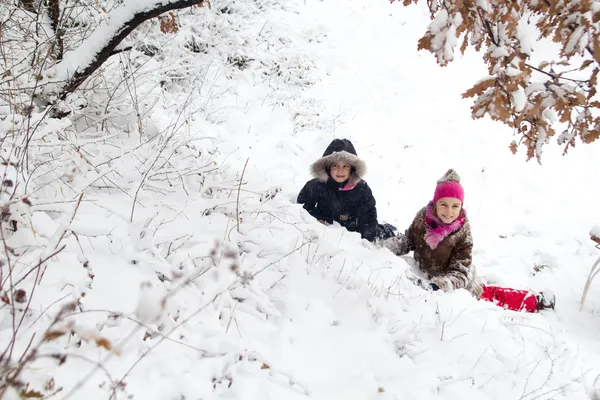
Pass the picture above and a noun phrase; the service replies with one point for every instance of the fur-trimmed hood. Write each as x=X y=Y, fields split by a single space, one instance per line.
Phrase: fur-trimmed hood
x=339 y=150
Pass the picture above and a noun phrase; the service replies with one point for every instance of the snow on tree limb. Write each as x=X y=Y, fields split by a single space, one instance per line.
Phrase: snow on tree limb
x=81 y=63
x=535 y=101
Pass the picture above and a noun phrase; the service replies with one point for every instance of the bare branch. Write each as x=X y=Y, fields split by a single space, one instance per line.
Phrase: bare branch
x=237 y=210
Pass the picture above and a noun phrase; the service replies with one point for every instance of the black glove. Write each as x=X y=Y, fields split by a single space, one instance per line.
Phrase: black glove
x=434 y=287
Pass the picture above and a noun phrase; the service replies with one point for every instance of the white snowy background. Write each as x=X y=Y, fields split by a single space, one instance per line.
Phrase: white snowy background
x=193 y=307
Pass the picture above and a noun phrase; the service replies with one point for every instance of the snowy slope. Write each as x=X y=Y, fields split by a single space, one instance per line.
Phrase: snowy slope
x=326 y=315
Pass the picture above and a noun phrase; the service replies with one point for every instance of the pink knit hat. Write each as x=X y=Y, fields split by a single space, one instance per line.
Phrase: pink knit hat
x=449 y=186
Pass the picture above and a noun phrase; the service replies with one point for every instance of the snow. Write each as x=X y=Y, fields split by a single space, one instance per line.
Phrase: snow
x=577 y=42
x=499 y=51
x=526 y=36
x=595 y=231
x=519 y=99
x=284 y=307
x=483 y=4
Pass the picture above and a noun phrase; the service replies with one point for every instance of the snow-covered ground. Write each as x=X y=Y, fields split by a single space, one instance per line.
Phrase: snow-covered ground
x=283 y=307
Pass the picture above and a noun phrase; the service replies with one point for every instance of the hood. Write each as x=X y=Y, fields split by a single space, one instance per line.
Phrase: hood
x=339 y=150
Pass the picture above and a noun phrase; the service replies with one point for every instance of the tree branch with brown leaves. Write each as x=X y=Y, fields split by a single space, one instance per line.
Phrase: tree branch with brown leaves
x=536 y=101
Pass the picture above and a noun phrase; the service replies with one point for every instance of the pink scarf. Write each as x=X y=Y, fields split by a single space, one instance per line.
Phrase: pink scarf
x=436 y=230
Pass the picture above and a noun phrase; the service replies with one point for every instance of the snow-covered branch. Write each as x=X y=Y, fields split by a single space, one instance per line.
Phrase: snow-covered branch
x=80 y=63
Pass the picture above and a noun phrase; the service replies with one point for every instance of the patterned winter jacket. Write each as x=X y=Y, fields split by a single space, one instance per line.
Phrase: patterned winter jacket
x=442 y=251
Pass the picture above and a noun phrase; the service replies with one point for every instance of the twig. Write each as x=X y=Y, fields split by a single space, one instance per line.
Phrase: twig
x=593 y=272
x=561 y=387
x=556 y=76
x=141 y=324
x=185 y=321
x=231 y=317
x=71 y=221
x=237 y=208
x=47 y=308
x=442 y=335
x=534 y=369
x=147 y=173
x=281 y=258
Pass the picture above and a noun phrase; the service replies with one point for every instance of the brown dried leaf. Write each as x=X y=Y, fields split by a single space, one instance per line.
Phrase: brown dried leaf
x=103 y=342
x=566 y=115
x=591 y=136
x=594 y=77
x=513 y=147
x=168 y=24
x=579 y=99
x=31 y=394
x=502 y=106
x=20 y=296
x=530 y=148
x=596 y=51
x=51 y=335
x=425 y=42
x=585 y=64
x=264 y=366
x=479 y=88
x=465 y=43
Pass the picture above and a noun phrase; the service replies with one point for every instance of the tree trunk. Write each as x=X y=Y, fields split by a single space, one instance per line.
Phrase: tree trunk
x=54 y=14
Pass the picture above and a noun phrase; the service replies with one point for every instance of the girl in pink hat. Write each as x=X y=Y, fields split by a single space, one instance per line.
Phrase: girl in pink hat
x=440 y=237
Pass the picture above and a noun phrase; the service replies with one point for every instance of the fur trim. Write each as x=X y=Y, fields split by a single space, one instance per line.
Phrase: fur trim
x=319 y=168
x=436 y=230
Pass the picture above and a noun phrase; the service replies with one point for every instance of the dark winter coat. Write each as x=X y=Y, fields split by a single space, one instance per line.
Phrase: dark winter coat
x=445 y=258
x=350 y=203
x=353 y=209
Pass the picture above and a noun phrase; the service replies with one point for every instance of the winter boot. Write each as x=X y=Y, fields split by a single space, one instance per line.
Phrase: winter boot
x=545 y=300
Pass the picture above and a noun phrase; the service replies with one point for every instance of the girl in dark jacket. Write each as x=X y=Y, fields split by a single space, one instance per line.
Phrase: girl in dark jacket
x=338 y=193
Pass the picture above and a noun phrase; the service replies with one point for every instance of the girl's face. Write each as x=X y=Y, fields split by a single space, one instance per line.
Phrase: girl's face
x=448 y=209
x=340 y=172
